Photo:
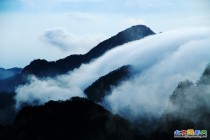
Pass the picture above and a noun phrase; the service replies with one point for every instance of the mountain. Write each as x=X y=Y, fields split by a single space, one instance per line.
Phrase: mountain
x=7 y=109
x=44 y=68
x=77 y=119
x=205 y=78
x=10 y=78
x=188 y=108
x=103 y=86
x=7 y=73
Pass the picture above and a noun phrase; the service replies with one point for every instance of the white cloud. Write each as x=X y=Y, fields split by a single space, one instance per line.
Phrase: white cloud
x=48 y=89
x=59 y=37
x=148 y=93
x=66 y=41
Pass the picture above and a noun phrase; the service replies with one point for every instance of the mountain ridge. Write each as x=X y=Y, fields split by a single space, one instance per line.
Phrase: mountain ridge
x=7 y=73
x=43 y=68
x=103 y=86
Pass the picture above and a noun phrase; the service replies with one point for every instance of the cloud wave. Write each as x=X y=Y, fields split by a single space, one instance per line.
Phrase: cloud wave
x=162 y=61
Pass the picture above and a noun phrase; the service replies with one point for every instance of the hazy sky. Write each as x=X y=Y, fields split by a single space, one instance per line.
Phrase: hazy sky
x=53 y=29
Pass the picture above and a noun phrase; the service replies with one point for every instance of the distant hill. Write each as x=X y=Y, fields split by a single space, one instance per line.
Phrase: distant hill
x=7 y=73
x=76 y=119
x=43 y=68
x=9 y=84
x=103 y=86
x=10 y=78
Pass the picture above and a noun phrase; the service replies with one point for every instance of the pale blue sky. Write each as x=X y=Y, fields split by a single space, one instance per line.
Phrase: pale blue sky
x=53 y=29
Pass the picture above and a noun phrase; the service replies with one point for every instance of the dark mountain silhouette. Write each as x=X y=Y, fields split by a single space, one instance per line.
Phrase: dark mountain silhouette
x=43 y=68
x=76 y=119
x=7 y=73
x=103 y=86
x=189 y=108
x=7 y=110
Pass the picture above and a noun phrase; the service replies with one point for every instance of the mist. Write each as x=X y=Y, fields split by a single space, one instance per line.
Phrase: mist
x=64 y=40
x=148 y=93
x=161 y=62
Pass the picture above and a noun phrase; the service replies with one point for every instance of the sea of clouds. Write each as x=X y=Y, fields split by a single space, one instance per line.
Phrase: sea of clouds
x=161 y=62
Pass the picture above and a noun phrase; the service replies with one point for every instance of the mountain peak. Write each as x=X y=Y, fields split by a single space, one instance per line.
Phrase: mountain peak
x=205 y=77
x=135 y=32
x=139 y=28
x=130 y=34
